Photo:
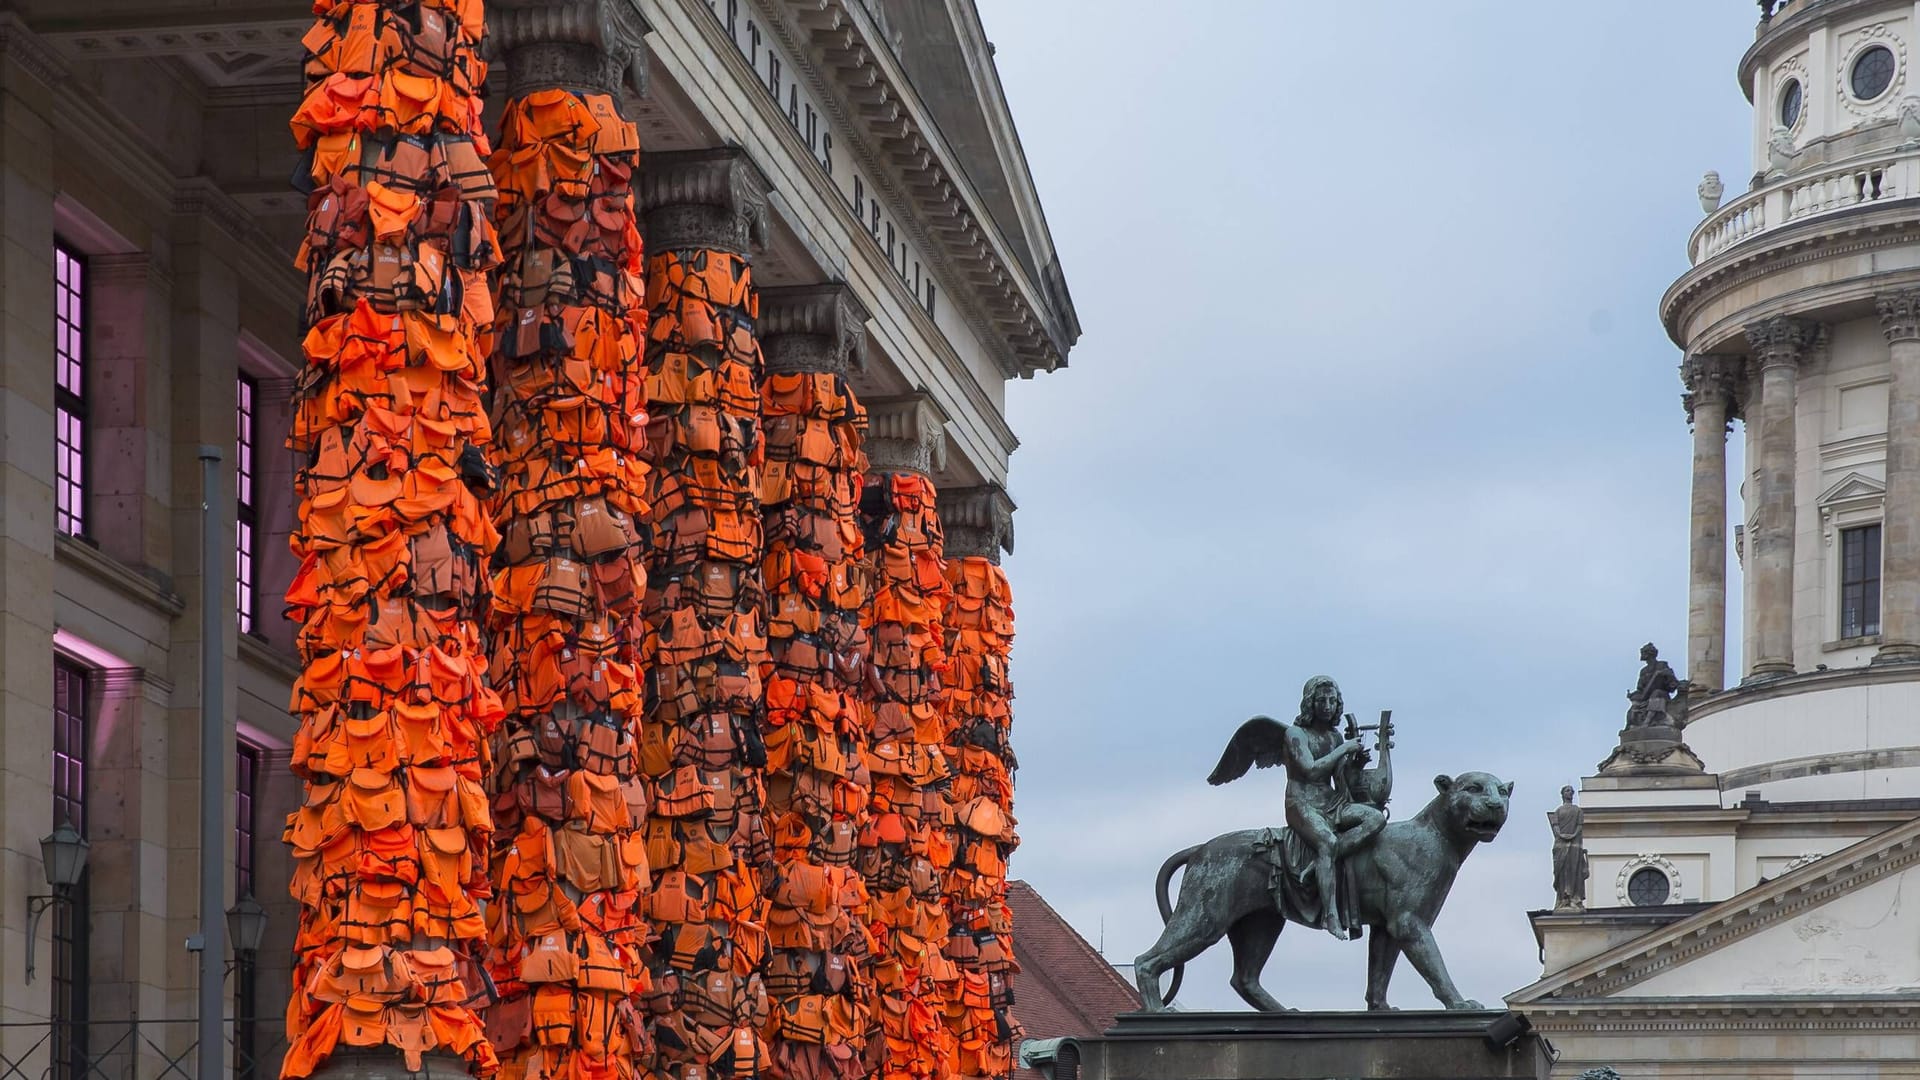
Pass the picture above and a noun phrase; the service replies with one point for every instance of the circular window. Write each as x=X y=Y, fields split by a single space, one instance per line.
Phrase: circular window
x=1648 y=887
x=1790 y=102
x=1872 y=72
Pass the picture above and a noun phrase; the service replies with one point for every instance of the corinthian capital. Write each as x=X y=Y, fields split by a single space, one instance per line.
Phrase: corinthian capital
x=1712 y=378
x=1899 y=315
x=977 y=521
x=906 y=434
x=713 y=199
x=587 y=46
x=812 y=328
x=1781 y=341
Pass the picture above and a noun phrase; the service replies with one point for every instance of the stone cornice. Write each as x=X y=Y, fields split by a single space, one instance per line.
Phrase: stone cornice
x=1764 y=905
x=1769 y=1013
x=1870 y=227
x=31 y=51
x=1713 y=377
x=977 y=522
x=118 y=576
x=812 y=328
x=906 y=434
x=134 y=682
x=587 y=46
x=715 y=199
x=968 y=243
x=258 y=256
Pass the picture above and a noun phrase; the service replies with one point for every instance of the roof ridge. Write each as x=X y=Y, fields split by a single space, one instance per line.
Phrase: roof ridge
x=1101 y=963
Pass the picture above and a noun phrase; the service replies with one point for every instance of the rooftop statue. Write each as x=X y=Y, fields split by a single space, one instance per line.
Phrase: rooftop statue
x=1337 y=865
x=1652 y=696
x=1569 y=857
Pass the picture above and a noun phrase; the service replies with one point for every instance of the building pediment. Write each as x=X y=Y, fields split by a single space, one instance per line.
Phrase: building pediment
x=1835 y=926
x=1853 y=487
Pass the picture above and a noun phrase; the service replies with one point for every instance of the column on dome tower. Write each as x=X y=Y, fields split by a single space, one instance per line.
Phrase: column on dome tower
x=567 y=925
x=978 y=523
x=1900 y=573
x=1711 y=401
x=1780 y=347
x=818 y=686
x=906 y=442
x=701 y=746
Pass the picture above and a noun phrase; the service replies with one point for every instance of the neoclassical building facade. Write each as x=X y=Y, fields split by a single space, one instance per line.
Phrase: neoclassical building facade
x=861 y=150
x=1742 y=913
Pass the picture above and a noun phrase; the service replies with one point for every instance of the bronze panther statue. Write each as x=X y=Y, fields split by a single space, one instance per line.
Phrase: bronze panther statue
x=1399 y=881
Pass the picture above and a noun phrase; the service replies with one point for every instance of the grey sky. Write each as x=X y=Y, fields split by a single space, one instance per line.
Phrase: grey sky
x=1372 y=384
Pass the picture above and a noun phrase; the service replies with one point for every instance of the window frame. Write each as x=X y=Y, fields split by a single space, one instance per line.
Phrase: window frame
x=248 y=766
x=1860 y=593
x=67 y=401
x=246 y=531
x=71 y=989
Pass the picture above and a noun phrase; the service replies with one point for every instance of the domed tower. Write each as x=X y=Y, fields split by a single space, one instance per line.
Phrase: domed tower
x=1746 y=849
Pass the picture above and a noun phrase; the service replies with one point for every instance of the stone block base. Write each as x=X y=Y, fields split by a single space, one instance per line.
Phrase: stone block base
x=1312 y=1046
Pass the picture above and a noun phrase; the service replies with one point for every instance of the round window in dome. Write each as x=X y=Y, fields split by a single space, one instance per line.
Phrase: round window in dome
x=1648 y=887
x=1872 y=72
x=1790 y=101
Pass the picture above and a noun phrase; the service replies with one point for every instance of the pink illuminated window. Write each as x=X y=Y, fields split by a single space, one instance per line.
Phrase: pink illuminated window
x=70 y=390
x=246 y=439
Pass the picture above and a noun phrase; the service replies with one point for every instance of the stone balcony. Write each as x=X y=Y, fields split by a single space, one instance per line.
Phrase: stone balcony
x=1882 y=178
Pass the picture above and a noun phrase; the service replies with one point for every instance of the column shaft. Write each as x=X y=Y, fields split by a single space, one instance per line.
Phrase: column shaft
x=1779 y=345
x=1900 y=533
x=1710 y=400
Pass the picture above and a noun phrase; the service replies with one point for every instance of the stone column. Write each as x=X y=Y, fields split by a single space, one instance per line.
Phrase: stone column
x=1711 y=381
x=693 y=200
x=1900 y=534
x=978 y=522
x=1779 y=347
x=906 y=434
x=813 y=328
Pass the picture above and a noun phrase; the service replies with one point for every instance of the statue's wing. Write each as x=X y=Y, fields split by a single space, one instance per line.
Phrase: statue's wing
x=1261 y=742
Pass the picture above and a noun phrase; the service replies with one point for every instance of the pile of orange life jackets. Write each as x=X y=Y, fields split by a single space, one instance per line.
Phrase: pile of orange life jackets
x=707 y=839
x=819 y=707
x=910 y=816
x=568 y=926
x=388 y=429
x=977 y=700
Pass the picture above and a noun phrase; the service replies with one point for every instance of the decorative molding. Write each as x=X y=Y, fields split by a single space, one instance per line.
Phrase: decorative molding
x=812 y=328
x=1853 y=45
x=1714 y=376
x=118 y=576
x=1646 y=862
x=714 y=199
x=1899 y=315
x=1854 y=497
x=906 y=434
x=1782 y=341
x=1769 y=1013
x=977 y=522
x=1807 y=859
x=587 y=46
x=31 y=51
x=131 y=682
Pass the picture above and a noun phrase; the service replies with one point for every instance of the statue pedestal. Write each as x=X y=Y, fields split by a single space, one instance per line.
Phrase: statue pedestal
x=1482 y=1045
x=1651 y=749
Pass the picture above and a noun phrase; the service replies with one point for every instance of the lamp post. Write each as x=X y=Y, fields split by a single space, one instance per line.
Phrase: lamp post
x=63 y=857
x=246 y=927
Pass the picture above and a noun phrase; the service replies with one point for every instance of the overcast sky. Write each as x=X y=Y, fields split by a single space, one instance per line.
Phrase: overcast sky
x=1372 y=384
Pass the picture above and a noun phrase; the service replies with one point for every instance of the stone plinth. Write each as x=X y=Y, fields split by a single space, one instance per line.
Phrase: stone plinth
x=1311 y=1046
x=1652 y=749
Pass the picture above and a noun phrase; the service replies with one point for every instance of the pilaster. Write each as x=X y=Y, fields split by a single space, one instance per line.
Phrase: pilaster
x=977 y=521
x=1900 y=530
x=704 y=199
x=906 y=434
x=812 y=328
x=128 y=319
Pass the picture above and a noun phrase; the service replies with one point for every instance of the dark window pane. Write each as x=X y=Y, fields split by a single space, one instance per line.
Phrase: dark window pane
x=70 y=391
x=1860 y=581
x=70 y=930
x=1872 y=73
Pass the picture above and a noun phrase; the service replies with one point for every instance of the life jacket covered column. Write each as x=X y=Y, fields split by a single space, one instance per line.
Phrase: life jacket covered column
x=388 y=428
x=820 y=687
x=567 y=927
x=978 y=705
x=701 y=744
x=911 y=839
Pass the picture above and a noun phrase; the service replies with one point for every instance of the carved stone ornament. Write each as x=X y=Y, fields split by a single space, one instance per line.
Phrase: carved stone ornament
x=977 y=521
x=813 y=328
x=1782 y=340
x=1709 y=377
x=1711 y=191
x=587 y=46
x=1899 y=315
x=906 y=434
x=714 y=199
x=1643 y=862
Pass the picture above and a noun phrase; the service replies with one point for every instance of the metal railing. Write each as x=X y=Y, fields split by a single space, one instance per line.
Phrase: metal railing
x=132 y=1049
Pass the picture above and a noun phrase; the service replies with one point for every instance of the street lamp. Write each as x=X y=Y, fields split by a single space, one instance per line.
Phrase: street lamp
x=63 y=857
x=246 y=927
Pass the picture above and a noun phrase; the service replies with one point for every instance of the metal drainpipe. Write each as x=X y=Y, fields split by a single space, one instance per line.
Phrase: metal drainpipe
x=213 y=865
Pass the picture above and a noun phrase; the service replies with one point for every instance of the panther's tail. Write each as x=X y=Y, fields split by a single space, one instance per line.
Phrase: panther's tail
x=1165 y=878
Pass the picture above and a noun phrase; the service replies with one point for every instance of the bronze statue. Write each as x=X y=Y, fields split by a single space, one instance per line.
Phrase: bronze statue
x=1569 y=857
x=1652 y=696
x=1247 y=885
